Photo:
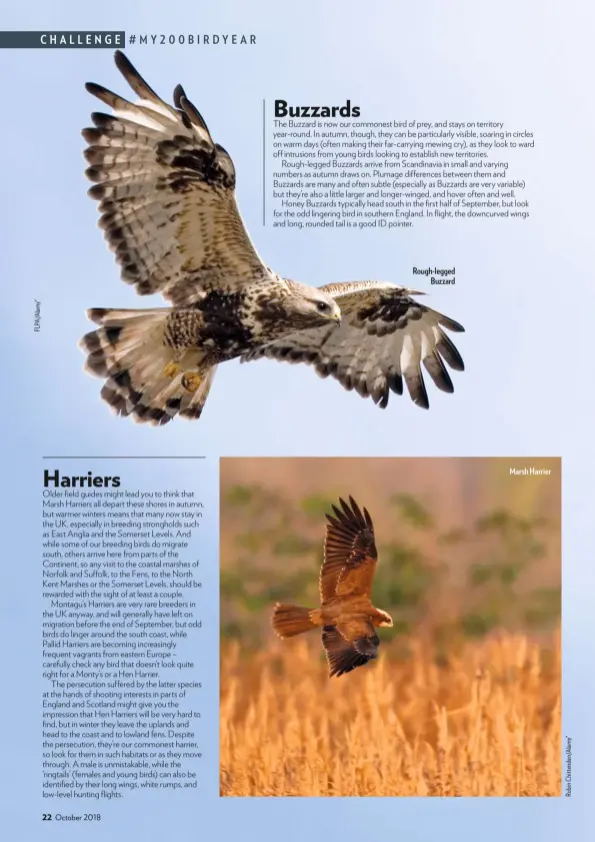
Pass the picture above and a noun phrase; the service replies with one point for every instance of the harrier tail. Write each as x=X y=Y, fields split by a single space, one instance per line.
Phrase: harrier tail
x=289 y=620
x=144 y=378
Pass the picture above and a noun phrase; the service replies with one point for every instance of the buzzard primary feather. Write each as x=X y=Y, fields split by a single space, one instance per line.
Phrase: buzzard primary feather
x=166 y=197
x=346 y=614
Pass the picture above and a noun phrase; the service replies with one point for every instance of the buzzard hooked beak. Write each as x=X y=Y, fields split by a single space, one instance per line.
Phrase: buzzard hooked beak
x=337 y=318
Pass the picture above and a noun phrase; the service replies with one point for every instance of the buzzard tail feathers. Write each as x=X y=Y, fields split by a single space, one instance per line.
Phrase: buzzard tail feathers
x=142 y=377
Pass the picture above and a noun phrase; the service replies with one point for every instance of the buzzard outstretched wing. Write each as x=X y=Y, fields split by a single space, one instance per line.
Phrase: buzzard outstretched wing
x=166 y=195
x=346 y=653
x=349 y=553
x=384 y=338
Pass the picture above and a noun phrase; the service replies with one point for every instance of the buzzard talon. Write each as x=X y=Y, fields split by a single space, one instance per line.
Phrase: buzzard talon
x=191 y=380
x=171 y=370
x=346 y=615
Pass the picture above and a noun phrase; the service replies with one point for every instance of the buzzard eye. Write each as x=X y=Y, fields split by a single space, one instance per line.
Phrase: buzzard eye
x=322 y=307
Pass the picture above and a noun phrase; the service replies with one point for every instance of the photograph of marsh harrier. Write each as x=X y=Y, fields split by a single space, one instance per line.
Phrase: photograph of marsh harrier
x=390 y=627
x=346 y=614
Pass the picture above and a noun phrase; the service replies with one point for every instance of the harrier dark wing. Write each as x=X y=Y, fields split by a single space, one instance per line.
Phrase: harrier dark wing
x=349 y=552
x=347 y=653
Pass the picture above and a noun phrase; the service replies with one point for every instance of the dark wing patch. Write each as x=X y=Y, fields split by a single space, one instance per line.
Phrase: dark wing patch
x=166 y=196
x=384 y=339
x=349 y=552
x=344 y=655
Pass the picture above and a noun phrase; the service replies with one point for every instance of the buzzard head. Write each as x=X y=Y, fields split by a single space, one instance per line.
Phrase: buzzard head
x=310 y=307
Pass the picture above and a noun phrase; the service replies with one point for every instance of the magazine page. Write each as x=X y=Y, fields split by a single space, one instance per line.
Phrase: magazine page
x=298 y=435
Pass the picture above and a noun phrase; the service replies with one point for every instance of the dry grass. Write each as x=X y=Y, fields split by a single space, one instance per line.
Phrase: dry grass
x=486 y=724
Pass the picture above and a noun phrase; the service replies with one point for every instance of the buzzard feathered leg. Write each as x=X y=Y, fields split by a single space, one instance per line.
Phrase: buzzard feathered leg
x=191 y=380
x=172 y=369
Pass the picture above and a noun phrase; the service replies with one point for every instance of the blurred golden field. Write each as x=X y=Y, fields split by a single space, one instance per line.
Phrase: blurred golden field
x=486 y=723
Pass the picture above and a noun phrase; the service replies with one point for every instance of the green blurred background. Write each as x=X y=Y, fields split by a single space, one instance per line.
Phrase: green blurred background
x=465 y=548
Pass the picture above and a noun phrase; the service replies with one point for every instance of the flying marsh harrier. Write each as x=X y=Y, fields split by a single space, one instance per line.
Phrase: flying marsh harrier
x=346 y=614
x=168 y=211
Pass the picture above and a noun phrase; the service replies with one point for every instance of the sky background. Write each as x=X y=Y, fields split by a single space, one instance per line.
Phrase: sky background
x=524 y=293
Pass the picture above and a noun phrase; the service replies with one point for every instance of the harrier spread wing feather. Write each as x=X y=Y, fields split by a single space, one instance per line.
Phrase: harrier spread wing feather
x=384 y=338
x=349 y=553
x=166 y=195
x=344 y=655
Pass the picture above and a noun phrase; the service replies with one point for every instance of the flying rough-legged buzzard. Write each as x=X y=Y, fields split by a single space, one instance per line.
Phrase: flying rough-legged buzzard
x=168 y=210
x=346 y=614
